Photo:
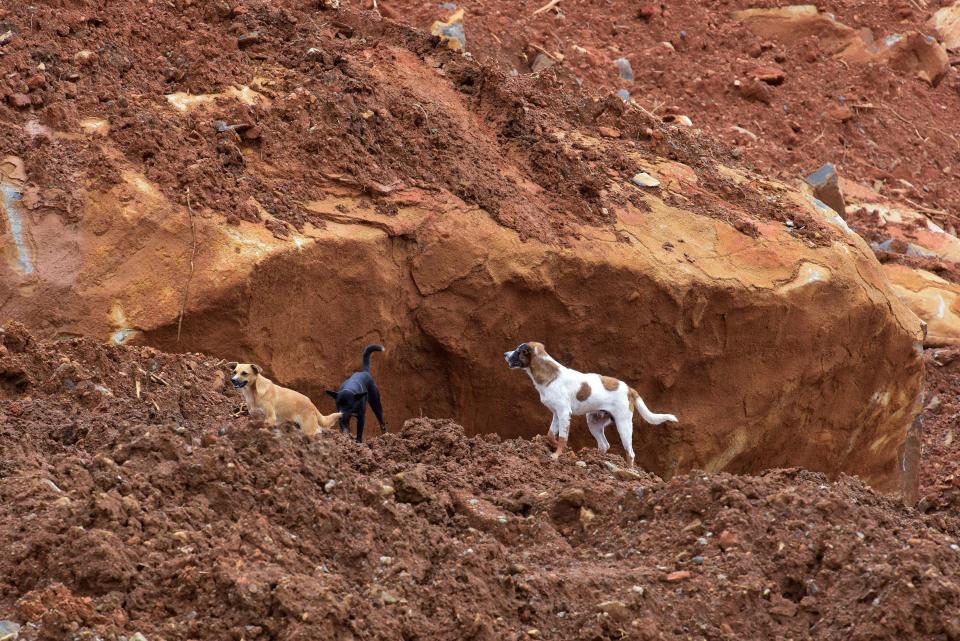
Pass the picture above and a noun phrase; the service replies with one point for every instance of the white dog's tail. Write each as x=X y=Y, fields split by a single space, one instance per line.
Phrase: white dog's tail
x=650 y=417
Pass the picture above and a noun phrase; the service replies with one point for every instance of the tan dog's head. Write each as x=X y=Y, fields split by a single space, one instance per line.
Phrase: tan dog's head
x=243 y=374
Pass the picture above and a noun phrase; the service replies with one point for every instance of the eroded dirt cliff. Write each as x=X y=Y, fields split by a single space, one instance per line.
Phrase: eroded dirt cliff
x=336 y=179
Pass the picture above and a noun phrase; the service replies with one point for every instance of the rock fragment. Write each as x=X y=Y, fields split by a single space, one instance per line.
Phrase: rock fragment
x=826 y=187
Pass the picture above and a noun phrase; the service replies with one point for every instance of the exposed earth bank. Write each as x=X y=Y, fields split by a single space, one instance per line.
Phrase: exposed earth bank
x=337 y=179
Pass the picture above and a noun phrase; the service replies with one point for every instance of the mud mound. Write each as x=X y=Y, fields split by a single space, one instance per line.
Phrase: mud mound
x=785 y=104
x=253 y=111
x=189 y=522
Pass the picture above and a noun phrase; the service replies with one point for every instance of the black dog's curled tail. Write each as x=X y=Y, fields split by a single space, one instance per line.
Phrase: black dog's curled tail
x=368 y=352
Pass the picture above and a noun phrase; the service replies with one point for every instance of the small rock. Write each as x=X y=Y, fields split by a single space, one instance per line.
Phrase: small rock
x=451 y=31
x=386 y=490
x=702 y=541
x=581 y=463
x=679 y=575
x=36 y=81
x=784 y=608
x=625 y=474
x=617 y=609
x=20 y=100
x=608 y=132
x=329 y=485
x=842 y=113
x=933 y=405
x=648 y=11
x=386 y=560
x=6 y=37
x=586 y=515
x=727 y=540
x=533 y=633
x=410 y=488
x=9 y=631
x=624 y=95
x=946 y=23
x=755 y=90
x=626 y=71
x=769 y=75
x=638 y=589
x=138 y=637
x=698 y=560
x=516 y=568
x=826 y=188
x=695 y=524
x=85 y=58
x=388 y=599
x=249 y=39
x=643 y=179
x=502 y=520
x=678 y=119
x=541 y=62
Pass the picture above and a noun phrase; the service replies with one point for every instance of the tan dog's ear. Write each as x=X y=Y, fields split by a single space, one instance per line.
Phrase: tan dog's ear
x=256 y=369
x=232 y=365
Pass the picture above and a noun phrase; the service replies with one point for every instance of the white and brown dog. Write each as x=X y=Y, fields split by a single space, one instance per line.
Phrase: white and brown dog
x=567 y=392
x=277 y=403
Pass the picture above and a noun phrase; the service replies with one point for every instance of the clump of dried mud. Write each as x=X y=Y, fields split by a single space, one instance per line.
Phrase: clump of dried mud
x=166 y=512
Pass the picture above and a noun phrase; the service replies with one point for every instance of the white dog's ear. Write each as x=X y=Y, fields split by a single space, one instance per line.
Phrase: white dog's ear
x=256 y=369
x=232 y=365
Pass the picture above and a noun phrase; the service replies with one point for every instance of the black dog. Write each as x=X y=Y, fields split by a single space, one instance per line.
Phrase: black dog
x=354 y=394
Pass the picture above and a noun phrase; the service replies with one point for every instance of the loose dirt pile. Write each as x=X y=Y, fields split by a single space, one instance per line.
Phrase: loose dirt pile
x=784 y=104
x=168 y=514
x=255 y=109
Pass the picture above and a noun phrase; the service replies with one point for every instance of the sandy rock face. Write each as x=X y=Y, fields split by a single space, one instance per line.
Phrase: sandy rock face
x=932 y=298
x=772 y=351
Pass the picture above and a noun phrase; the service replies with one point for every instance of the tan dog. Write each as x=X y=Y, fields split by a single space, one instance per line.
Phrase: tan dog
x=278 y=403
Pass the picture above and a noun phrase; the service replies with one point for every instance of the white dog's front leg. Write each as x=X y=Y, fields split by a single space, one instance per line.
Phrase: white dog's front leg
x=554 y=430
x=563 y=431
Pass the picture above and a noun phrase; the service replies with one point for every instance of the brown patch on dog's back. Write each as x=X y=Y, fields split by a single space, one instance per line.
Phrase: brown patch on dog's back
x=544 y=372
x=610 y=384
x=584 y=392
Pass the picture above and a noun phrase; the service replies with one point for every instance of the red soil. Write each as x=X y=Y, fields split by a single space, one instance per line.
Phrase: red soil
x=172 y=516
x=877 y=124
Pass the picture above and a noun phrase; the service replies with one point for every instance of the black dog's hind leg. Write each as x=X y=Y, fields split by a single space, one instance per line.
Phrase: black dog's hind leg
x=361 y=417
x=376 y=407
